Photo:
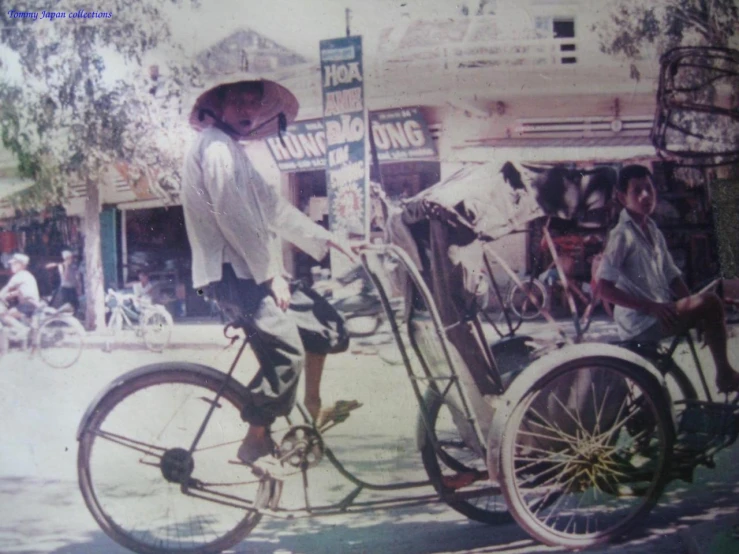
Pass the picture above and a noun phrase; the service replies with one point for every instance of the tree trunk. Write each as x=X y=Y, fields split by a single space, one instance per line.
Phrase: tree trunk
x=94 y=283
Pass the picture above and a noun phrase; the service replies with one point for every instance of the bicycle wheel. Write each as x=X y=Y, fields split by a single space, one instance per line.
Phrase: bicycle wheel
x=519 y=299
x=59 y=341
x=586 y=452
x=456 y=469
x=139 y=481
x=156 y=325
x=361 y=326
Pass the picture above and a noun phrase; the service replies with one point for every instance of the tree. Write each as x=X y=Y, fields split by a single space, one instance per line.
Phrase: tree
x=68 y=119
x=695 y=108
x=632 y=25
x=702 y=78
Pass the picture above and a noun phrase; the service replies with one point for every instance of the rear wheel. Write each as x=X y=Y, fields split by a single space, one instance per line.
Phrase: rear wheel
x=456 y=469
x=59 y=341
x=141 y=483
x=586 y=452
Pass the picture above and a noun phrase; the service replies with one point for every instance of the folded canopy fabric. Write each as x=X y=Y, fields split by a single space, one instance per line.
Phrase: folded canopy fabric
x=493 y=200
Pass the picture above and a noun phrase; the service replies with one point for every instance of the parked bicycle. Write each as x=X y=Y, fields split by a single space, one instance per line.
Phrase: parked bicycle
x=54 y=334
x=152 y=322
x=362 y=312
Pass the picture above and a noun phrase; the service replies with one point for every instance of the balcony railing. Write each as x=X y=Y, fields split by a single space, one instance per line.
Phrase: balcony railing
x=503 y=54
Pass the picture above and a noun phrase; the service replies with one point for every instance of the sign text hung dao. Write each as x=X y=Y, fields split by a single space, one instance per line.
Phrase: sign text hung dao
x=400 y=134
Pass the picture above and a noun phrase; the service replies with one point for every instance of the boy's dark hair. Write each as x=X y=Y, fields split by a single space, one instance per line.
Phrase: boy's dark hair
x=634 y=171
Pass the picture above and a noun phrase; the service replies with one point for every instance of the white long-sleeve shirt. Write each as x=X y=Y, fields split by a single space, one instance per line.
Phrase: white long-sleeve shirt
x=233 y=216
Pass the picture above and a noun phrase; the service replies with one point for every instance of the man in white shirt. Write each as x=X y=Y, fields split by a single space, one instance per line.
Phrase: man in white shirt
x=21 y=289
x=233 y=218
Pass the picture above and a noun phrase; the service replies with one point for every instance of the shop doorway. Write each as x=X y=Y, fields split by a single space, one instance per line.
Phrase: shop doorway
x=156 y=242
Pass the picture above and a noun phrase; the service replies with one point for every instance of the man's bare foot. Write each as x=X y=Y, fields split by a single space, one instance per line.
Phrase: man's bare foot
x=337 y=413
x=255 y=445
x=728 y=381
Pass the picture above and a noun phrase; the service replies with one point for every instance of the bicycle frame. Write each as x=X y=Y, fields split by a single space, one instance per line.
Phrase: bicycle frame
x=445 y=385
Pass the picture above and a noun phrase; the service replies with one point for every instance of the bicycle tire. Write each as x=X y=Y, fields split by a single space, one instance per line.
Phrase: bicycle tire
x=521 y=305
x=586 y=479
x=153 y=529
x=156 y=325
x=355 y=329
x=59 y=341
x=457 y=458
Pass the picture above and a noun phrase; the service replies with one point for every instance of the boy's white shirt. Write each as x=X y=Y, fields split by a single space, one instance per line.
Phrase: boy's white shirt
x=639 y=268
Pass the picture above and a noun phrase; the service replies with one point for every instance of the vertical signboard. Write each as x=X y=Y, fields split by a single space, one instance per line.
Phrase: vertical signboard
x=346 y=130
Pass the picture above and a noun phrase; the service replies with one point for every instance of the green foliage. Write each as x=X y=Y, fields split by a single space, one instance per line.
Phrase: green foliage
x=68 y=118
x=633 y=25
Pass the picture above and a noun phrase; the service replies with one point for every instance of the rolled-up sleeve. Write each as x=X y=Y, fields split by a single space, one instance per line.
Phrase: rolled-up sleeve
x=296 y=227
x=613 y=257
x=291 y=224
x=669 y=267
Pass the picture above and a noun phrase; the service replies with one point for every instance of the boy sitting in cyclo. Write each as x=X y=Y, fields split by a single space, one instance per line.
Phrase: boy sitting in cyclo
x=640 y=277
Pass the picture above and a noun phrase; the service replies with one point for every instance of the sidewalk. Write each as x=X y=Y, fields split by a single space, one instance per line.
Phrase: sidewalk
x=184 y=335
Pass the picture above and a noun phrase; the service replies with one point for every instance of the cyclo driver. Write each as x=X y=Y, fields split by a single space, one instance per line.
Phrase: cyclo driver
x=233 y=218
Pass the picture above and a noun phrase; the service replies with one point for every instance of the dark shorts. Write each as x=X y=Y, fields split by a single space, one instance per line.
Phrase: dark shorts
x=274 y=340
x=321 y=328
x=654 y=333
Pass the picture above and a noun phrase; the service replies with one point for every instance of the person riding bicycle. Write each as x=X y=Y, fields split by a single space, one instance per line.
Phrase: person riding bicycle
x=639 y=276
x=233 y=218
x=20 y=294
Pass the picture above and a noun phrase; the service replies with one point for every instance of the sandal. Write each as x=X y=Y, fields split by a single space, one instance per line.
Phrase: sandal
x=337 y=413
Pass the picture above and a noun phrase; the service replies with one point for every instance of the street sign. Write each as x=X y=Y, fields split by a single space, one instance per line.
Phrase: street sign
x=345 y=119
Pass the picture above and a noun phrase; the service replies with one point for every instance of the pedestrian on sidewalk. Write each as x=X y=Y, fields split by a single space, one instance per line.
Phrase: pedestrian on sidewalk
x=67 y=293
x=233 y=219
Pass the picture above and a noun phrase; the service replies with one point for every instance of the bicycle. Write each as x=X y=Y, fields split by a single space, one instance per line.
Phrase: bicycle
x=176 y=491
x=54 y=334
x=150 y=321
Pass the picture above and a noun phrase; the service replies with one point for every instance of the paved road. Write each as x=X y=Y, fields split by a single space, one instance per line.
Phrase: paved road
x=41 y=509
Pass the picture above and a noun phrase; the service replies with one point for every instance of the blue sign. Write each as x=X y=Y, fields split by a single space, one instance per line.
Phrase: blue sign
x=342 y=82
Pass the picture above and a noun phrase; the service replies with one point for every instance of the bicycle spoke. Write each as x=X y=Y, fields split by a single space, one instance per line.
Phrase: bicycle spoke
x=133 y=444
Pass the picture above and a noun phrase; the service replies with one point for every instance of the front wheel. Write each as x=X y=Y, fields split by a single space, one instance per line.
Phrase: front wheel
x=59 y=341
x=156 y=325
x=141 y=483
x=455 y=470
x=586 y=452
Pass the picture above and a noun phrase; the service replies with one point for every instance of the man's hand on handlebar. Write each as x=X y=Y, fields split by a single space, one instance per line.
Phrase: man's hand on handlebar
x=344 y=248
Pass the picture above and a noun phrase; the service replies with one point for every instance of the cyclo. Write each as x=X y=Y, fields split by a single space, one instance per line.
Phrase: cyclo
x=574 y=441
x=576 y=445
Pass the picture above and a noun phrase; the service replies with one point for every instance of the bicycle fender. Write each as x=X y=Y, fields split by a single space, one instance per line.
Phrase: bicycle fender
x=541 y=368
x=202 y=370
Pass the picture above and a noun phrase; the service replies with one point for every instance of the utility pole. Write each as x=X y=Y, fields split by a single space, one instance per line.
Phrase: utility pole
x=348 y=17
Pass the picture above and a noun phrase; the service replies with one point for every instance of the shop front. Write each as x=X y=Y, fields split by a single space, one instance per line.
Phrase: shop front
x=155 y=242
x=406 y=156
x=42 y=236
